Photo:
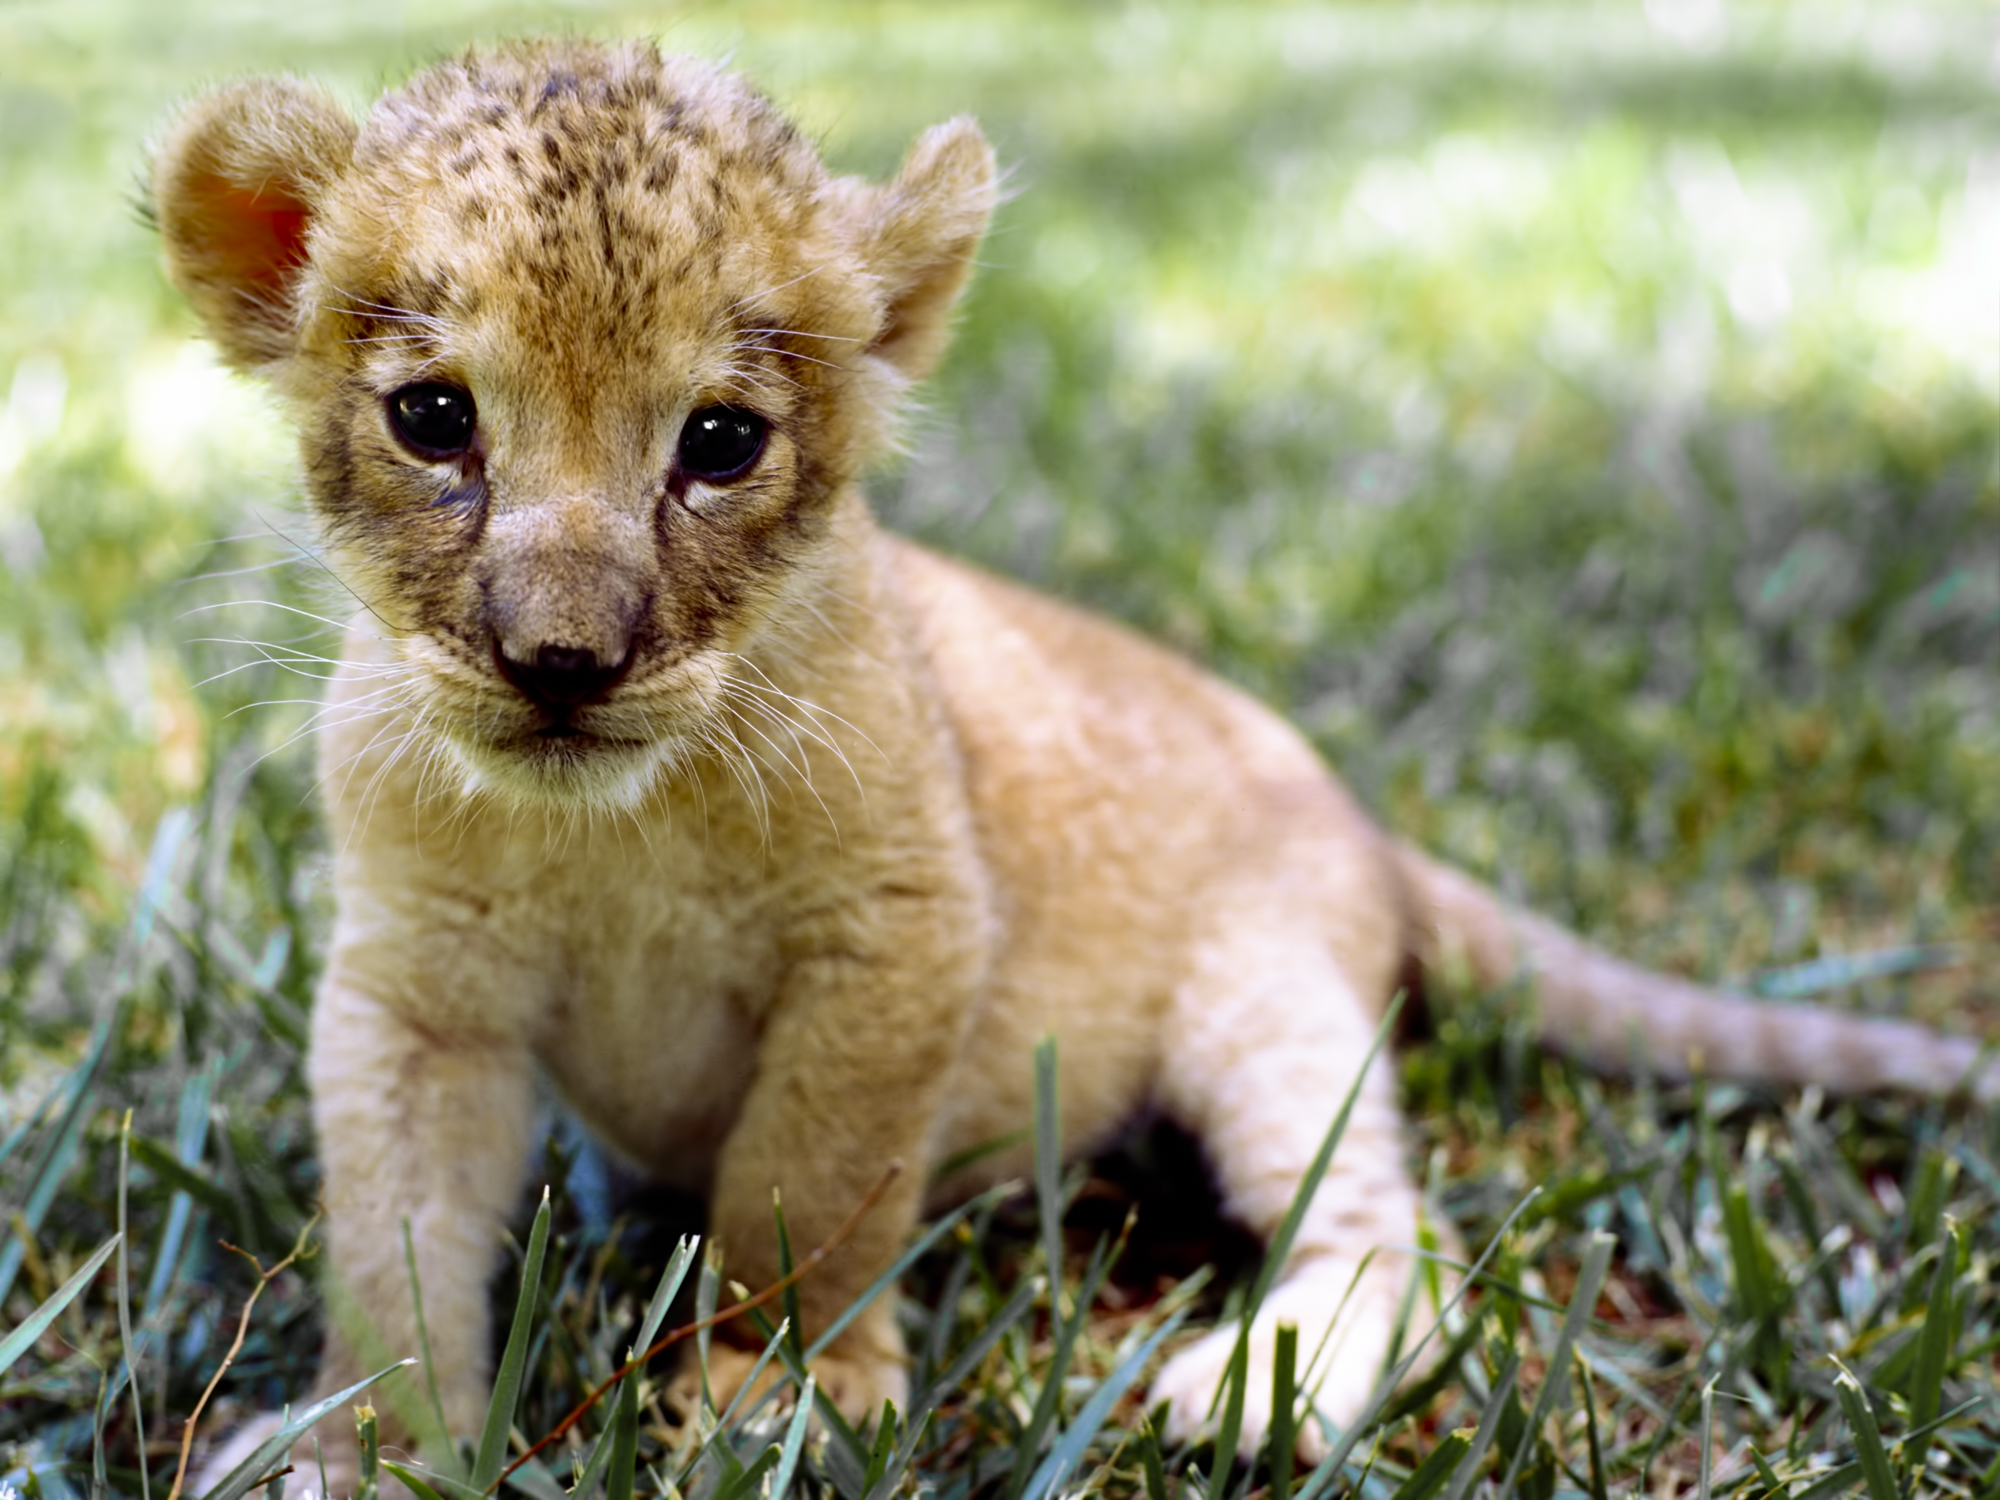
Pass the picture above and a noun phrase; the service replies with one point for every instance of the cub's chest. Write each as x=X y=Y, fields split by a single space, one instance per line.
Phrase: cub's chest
x=656 y=962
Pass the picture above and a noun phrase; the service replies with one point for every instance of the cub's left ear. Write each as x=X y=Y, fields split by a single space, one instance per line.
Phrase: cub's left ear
x=236 y=183
x=919 y=234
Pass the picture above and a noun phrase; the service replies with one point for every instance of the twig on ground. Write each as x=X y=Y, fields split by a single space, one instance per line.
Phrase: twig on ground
x=264 y=1279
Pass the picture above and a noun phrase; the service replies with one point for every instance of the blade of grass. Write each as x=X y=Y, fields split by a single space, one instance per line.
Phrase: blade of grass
x=790 y=1301
x=507 y=1378
x=1766 y=1475
x=369 y=1432
x=619 y=1476
x=1049 y=1401
x=1284 y=1407
x=958 y=1161
x=1048 y=1172
x=1838 y=1481
x=969 y=1359
x=1934 y=1343
x=424 y=1342
x=773 y=1342
x=1430 y=1476
x=669 y=1287
x=1069 y=1450
x=599 y=1460
x=1704 y=1483
x=418 y=1483
x=1582 y=1302
x=182 y=1179
x=125 y=1303
x=1409 y=1400
x=23 y=1338
x=795 y=1441
x=190 y=1134
x=1599 y=1490
x=707 y=1291
x=1235 y=1377
x=885 y=1445
x=1151 y=1459
x=33 y=1120
x=1854 y=1405
x=269 y=1454
x=918 y=1248
x=439 y=1484
x=1763 y=1292
x=831 y=1418
x=744 y=1482
x=54 y=1164
x=1490 y=1418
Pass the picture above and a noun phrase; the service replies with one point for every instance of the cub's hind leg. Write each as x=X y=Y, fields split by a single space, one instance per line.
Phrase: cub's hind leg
x=1265 y=1037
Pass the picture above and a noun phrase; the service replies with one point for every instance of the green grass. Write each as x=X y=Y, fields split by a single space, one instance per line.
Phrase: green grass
x=1588 y=436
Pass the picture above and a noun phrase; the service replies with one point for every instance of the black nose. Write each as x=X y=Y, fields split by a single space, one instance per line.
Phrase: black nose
x=560 y=676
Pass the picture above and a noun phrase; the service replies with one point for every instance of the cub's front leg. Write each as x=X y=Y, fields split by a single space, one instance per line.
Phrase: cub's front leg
x=422 y=1103
x=857 y=1052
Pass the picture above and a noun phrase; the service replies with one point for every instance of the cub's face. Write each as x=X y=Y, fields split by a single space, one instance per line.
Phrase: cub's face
x=584 y=345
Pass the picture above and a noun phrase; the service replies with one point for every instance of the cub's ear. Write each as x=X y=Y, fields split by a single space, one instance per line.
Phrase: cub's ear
x=236 y=183
x=919 y=234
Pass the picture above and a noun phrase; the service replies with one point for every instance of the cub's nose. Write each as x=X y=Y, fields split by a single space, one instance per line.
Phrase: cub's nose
x=560 y=676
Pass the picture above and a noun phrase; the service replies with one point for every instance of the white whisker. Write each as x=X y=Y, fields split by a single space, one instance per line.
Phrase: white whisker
x=800 y=333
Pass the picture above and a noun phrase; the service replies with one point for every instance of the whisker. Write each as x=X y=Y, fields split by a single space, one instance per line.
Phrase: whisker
x=290 y=609
x=767 y=291
x=801 y=769
x=390 y=313
x=814 y=710
x=345 y=585
x=751 y=376
x=791 y=354
x=755 y=798
x=318 y=724
x=262 y=567
x=801 y=333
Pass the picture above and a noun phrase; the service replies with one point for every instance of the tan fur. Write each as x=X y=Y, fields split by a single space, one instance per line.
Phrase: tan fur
x=857 y=825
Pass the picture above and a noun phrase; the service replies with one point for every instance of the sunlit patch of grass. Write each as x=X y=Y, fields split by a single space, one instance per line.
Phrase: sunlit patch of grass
x=1581 y=423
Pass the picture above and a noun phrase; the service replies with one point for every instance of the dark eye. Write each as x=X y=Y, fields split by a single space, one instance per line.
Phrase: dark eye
x=435 y=420
x=721 y=442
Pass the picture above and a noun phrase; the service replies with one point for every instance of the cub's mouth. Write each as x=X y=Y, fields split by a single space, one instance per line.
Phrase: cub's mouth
x=562 y=764
x=605 y=752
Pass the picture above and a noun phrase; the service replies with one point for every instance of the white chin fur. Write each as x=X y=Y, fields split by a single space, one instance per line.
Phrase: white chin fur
x=605 y=778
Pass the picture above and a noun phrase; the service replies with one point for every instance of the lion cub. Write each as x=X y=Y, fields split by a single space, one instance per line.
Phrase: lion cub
x=773 y=841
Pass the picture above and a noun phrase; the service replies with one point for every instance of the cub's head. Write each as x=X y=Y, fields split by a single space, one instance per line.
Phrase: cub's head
x=584 y=345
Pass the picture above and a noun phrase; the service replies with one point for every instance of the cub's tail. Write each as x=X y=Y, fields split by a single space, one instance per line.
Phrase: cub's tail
x=1610 y=1013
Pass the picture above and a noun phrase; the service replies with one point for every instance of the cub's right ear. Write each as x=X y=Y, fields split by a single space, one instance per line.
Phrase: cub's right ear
x=236 y=183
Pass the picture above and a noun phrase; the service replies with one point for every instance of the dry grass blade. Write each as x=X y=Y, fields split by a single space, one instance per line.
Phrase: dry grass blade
x=264 y=1279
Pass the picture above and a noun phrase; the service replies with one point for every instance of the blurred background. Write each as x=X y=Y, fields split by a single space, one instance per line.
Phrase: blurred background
x=1580 y=417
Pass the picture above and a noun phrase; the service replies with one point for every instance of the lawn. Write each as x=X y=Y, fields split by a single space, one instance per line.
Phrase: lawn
x=1583 y=419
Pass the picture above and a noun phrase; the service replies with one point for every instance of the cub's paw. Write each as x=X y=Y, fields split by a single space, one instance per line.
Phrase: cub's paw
x=856 y=1379
x=1339 y=1381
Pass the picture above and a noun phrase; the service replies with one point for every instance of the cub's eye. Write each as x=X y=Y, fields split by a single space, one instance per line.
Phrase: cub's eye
x=721 y=442
x=434 y=420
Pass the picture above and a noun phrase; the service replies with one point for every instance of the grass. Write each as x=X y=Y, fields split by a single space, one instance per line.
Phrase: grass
x=1584 y=427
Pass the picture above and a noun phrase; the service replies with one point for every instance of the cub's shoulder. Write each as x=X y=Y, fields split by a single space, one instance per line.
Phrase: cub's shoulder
x=1021 y=669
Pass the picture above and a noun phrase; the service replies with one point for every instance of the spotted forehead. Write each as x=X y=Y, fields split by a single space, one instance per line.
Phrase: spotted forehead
x=586 y=181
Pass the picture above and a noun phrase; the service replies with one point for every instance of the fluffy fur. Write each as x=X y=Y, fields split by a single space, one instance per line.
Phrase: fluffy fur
x=854 y=826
